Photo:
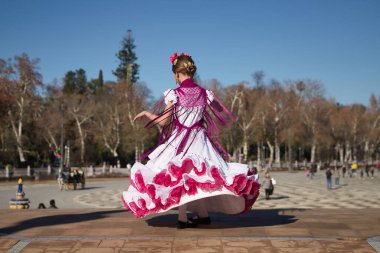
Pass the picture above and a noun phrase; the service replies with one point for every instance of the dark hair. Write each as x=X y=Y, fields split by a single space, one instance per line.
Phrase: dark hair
x=184 y=64
x=41 y=206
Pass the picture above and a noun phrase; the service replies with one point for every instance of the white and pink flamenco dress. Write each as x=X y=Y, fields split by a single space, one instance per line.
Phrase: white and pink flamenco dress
x=187 y=166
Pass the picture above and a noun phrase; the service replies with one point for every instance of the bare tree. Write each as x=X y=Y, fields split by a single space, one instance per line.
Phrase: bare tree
x=311 y=114
x=315 y=118
x=372 y=128
x=235 y=133
x=291 y=126
x=339 y=133
x=276 y=110
x=50 y=118
x=81 y=110
x=295 y=134
x=247 y=112
x=5 y=91
x=108 y=119
x=22 y=79
x=135 y=99
x=357 y=114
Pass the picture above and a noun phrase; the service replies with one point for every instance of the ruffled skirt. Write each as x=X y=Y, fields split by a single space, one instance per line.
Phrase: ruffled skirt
x=199 y=177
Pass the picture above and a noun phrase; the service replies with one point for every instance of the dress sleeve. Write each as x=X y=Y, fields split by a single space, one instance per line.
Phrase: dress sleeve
x=210 y=96
x=170 y=96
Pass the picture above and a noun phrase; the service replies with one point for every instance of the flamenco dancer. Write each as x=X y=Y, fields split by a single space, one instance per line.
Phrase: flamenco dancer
x=189 y=169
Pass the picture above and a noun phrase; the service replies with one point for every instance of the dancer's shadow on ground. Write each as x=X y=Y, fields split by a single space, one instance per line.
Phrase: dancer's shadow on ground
x=82 y=189
x=277 y=197
x=59 y=219
x=254 y=218
x=89 y=188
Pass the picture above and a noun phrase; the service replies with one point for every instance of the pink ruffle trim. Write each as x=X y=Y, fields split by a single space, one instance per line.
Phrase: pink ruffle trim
x=241 y=186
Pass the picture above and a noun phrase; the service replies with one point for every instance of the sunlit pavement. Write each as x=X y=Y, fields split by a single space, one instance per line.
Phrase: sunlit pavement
x=302 y=216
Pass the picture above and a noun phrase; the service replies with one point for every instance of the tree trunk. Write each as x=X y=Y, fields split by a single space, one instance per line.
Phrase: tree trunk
x=81 y=138
x=278 y=153
x=348 y=157
x=245 y=149
x=51 y=141
x=276 y=148
x=20 y=151
x=313 y=149
x=82 y=150
x=290 y=154
x=18 y=134
x=366 y=151
x=271 y=153
x=258 y=165
x=113 y=149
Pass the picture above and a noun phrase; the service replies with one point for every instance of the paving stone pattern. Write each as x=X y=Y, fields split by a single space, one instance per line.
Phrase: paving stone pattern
x=198 y=245
x=301 y=216
x=293 y=190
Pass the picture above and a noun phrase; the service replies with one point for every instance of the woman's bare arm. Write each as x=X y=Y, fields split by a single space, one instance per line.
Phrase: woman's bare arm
x=151 y=116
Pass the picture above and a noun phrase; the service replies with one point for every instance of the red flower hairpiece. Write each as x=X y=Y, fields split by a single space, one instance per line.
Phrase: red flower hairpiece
x=174 y=56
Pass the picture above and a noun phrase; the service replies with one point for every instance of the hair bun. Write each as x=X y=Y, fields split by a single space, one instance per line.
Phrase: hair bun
x=191 y=69
x=183 y=64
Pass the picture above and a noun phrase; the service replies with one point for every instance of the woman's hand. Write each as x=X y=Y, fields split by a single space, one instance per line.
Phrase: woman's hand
x=141 y=114
x=161 y=120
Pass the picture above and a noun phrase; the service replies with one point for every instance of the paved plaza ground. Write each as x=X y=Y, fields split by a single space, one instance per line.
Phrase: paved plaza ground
x=301 y=216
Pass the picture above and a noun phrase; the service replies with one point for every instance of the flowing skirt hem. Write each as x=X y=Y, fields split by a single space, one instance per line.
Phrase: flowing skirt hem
x=190 y=182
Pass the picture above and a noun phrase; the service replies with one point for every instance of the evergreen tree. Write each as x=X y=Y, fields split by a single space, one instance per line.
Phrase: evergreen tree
x=69 y=82
x=81 y=85
x=100 y=79
x=96 y=84
x=127 y=69
x=75 y=82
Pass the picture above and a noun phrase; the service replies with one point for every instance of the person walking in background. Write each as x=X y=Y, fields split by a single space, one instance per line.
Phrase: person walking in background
x=372 y=171
x=313 y=170
x=367 y=169
x=328 y=178
x=61 y=180
x=268 y=185
x=354 y=168
x=344 y=169
x=308 y=172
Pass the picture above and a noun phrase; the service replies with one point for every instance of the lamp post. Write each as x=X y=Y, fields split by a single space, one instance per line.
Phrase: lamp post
x=67 y=153
x=62 y=109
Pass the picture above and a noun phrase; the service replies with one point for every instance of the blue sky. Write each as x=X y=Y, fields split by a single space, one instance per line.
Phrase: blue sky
x=333 y=41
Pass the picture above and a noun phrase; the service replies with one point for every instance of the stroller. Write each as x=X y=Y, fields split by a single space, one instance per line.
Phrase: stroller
x=69 y=180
